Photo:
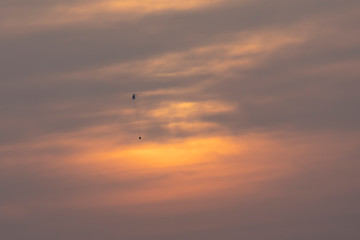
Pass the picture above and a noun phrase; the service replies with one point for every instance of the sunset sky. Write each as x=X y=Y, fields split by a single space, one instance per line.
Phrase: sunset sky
x=249 y=113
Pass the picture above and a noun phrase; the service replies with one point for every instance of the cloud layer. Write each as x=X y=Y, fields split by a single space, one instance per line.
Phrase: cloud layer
x=249 y=113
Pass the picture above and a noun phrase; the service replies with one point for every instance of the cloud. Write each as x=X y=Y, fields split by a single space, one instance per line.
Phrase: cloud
x=20 y=18
x=249 y=113
x=270 y=74
x=199 y=189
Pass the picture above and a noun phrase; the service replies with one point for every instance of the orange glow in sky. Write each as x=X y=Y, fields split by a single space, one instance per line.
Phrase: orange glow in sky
x=248 y=113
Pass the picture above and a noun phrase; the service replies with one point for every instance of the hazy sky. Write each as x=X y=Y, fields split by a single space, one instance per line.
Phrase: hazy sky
x=249 y=111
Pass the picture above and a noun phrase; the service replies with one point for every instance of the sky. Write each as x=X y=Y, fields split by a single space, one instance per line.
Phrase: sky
x=248 y=111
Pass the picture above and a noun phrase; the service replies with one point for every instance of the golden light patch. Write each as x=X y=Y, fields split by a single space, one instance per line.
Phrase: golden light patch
x=178 y=170
x=175 y=153
x=129 y=9
x=33 y=19
x=194 y=127
x=155 y=5
x=184 y=116
x=190 y=109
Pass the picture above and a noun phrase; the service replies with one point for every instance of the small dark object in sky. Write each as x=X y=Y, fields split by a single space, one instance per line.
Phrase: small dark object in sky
x=133 y=97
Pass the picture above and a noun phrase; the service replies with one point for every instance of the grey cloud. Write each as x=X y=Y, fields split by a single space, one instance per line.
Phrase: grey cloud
x=40 y=109
x=326 y=101
x=286 y=90
x=85 y=47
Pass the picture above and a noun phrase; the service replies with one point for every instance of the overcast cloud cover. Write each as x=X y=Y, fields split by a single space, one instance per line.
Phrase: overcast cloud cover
x=249 y=114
